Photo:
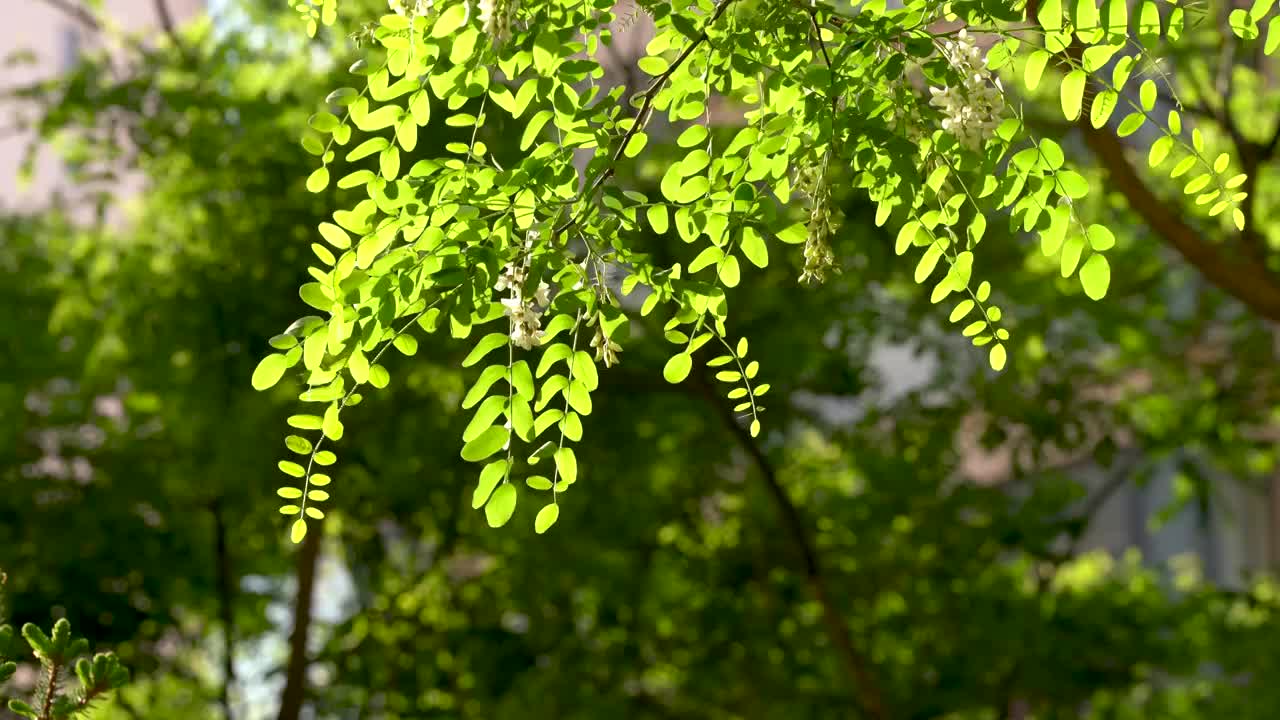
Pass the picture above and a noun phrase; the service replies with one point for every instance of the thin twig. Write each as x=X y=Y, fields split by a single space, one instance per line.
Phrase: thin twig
x=642 y=118
x=77 y=12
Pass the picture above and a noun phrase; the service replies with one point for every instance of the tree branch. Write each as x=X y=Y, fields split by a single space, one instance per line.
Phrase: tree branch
x=1248 y=282
x=867 y=690
x=295 y=684
x=165 y=17
x=171 y=29
x=77 y=12
x=642 y=117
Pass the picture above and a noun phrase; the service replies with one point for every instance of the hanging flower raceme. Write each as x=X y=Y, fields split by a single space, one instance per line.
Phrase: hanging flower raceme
x=972 y=111
x=497 y=17
x=819 y=259
x=524 y=312
x=606 y=349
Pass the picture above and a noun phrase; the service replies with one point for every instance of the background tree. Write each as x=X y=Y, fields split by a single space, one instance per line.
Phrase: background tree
x=838 y=564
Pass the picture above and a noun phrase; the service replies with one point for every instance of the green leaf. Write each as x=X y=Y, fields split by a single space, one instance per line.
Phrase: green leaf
x=335 y=235
x=305 y=422
x=754 y=248
x=298 y=531
x=1035 y=68
x=1100 y=237
x=997 y=357
x=658 y=219
x=729 y=271
x=567 y=464
x=480 y=388
x=501 y=506
x=454 y=17
x=1050 y=15
x=406 y=344
x=487 y=344
x=484 y=416
x=358 y=364
x=331 y=426
x=1072 y=93
x=794 y=235
x=652 y=65
x=1072 y=184
x=1071 y=250
x=269 y=371
x=490 y=476
x=677 y=368
x=536 y=123
x=546 y=518
x=1147 y=94
x=1095 y=276
x=522 y=379
x=1104 y=103
x=521 y=416
x=318 y=180
x=1130 y=124
x=290 y=468
x=584 y=370
x=1159 y=151
x=485 y=444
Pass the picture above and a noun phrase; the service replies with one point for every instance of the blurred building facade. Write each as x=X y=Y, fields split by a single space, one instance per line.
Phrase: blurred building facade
x=40 y=38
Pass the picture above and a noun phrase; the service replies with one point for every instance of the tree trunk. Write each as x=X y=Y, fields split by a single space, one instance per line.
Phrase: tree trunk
x=295 y=684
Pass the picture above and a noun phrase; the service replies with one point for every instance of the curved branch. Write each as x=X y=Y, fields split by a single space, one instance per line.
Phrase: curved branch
x=857 y=665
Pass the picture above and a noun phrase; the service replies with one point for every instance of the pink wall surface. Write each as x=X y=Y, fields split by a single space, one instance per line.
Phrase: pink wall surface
x=55 y=37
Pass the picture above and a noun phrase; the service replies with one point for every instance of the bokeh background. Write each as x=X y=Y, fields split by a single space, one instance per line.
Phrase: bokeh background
x=1089 y=534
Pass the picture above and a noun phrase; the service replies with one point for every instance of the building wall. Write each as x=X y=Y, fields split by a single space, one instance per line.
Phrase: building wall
x=55 y=39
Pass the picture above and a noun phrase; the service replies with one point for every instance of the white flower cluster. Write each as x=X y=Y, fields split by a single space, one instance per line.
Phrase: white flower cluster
x=526 y=317
x=972 y=110
x=497 y=17
x=410 y=7
x=606 y=349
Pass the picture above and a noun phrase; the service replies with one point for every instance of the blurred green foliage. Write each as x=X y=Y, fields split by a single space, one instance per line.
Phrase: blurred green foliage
x=138 y=467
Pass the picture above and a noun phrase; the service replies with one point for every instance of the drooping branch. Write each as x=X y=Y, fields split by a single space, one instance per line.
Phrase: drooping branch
x=857 y=665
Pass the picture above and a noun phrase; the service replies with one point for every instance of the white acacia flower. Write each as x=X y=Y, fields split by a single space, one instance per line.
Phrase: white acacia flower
x=526 y=337
x=972 y=111
x=497 y=17
x=409 y=7
x=541 y=296
x=523 y=312
x=606 y=349
x=512 y=278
